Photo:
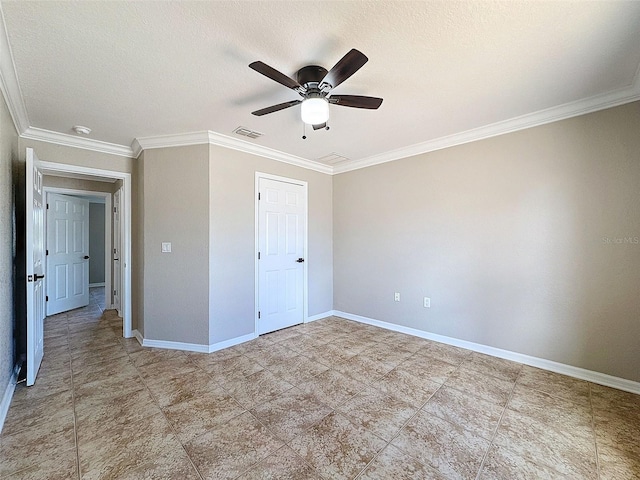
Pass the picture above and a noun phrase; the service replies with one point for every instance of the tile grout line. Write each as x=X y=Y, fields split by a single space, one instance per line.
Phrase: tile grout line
x=495 y=432
x=593 y=428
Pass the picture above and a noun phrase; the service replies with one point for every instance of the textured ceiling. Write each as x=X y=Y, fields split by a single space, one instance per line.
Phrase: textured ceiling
x=141 y=69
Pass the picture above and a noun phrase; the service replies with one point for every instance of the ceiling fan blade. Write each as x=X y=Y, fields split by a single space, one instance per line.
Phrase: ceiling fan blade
x=274 y=74
x=347 y=66
x=356 y=101
x=319 y=126
x=275 y=108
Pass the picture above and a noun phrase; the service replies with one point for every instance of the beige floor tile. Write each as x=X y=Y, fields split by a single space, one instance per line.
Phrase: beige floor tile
x=227 y=369
x=535 y=441
x=364 y=368
x=297 y=370
x=64 y=466
x=413 y=389
x=38 y=445
x=258 y=388
x=502 y=464
x=147 y=356
x=301 y=343
x=332 y=388
x=489 y=388
x=555 y=384
x=128 y=407
x=196 y=416
x=605 y=399
x=233 y=448
x=428 y=368
x=172 y=390
x=291 y=413
x=336 y=447
x=284 y=464
x=394 y=464
x=617 y=465
x=381 y=413
x=557 y=412
x=446 y=353
x=446 y=447
x=57 y=407
x=467 y=411
x=271 y=354
x=284 y=334
x=618 y=430
x=496 y=367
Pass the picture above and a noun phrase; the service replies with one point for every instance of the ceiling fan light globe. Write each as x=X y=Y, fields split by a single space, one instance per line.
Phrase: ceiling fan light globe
x=315 y=111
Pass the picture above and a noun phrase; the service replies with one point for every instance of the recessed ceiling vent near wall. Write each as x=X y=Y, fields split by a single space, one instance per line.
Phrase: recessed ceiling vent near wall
x=333 y=159
x=247 y=132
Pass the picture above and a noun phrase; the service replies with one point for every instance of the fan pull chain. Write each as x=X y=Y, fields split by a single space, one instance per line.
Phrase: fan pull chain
x=304 y=131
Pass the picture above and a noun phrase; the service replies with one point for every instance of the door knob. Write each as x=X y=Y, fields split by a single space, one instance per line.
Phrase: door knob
x=86 y=257
x=37 y=277
x=300 y=260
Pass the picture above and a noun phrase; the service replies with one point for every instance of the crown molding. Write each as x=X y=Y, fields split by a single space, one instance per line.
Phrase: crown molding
x=67 y=140
x=541 y=117
x=9 y=81
x=213 y=138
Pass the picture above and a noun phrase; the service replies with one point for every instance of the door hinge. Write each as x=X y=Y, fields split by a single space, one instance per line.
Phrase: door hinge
x=47 y=206
x=114 y=210
x=46 y=299
x=115 y=292
x=258 y=255
x=115 y=251
x=47 y=252
x=258 y=195
x=258 y=314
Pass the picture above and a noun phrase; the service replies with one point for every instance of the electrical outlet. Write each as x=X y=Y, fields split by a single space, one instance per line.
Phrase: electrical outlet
x=427 y=302
x=396 y=297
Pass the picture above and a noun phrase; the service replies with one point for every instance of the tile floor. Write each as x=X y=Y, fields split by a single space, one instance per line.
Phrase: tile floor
x=331 y=399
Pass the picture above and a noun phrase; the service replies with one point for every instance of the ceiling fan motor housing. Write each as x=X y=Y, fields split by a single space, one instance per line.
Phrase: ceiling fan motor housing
x=311 y=74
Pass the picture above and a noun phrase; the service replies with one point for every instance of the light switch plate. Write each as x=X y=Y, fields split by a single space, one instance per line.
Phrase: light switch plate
x=166 y=247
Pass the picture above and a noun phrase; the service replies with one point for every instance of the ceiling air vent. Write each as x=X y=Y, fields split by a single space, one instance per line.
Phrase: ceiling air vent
x=332 y=159
x=246 y=132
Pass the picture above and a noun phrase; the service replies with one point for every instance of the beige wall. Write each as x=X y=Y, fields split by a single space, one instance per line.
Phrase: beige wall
x=508 y=238
x=8 y=154
x=232 y=219
x=50 y=152
x=175 y=203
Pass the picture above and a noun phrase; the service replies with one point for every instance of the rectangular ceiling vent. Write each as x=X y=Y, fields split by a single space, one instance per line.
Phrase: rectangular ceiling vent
x=247 y=132
x=333 y=159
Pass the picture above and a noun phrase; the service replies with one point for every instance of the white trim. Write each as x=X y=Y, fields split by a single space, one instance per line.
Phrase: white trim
x=6 y=398
x=137 y=335
x=84 y=143
x=192 y=347
x=305 y=274
x=125 y=211
x=541 y=117
x=214 y=347
x=564 y=369
x=213 y=138
x=320 y=316
x=108 y=214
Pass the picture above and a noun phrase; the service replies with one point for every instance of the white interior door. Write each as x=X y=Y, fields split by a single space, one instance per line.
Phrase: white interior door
x=117 y=271
x=282 y=212
x=68 y=253
x=35 y=267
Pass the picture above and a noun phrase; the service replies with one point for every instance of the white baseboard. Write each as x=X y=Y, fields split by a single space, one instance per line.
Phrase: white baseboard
x=191 y=347
x=99 y=284
x=231 y=342
x=6 y=398
x=569 y=370
x=319 y=316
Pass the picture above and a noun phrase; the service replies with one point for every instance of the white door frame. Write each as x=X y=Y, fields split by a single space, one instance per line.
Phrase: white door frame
x=305 y=275
x=125 y=232
x=108 y=215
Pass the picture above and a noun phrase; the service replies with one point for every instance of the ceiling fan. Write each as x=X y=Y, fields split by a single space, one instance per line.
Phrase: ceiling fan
x=314 y=84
